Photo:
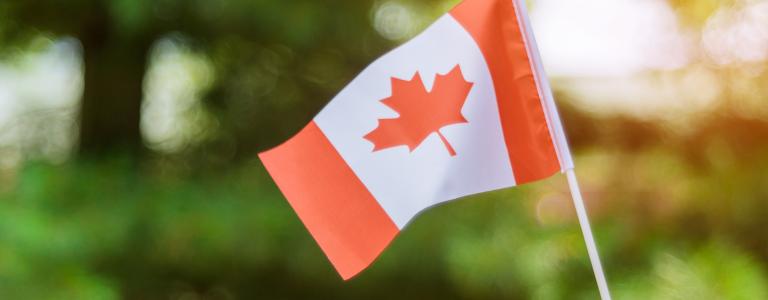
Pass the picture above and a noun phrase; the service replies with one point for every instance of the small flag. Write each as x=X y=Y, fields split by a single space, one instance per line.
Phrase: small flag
x=462 y=108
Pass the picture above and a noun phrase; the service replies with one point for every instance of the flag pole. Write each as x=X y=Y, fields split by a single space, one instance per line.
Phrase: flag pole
x=586 y=230
x=562 y=149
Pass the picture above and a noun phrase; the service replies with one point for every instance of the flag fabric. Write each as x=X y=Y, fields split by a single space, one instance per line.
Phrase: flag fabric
x=460 y=109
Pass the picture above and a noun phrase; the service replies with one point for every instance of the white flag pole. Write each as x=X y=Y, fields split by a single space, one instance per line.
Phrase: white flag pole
x=586 y=230
x=562 y=147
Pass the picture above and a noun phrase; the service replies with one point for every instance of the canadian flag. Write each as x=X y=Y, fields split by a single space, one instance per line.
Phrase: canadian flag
x=463 y=108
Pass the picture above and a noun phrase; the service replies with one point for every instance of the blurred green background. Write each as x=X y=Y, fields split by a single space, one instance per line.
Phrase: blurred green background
x=129 y=131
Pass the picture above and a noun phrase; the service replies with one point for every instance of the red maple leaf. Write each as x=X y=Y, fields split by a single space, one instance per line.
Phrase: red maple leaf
x=421 y=112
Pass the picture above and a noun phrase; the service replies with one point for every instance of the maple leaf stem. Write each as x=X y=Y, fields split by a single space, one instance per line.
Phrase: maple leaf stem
x=447 y=145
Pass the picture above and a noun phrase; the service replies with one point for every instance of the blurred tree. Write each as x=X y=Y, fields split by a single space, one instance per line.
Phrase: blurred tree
x=255 y=45
x=114 y=57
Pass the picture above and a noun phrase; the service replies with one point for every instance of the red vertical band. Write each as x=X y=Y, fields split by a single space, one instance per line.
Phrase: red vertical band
x=337 y=209
x=495 y=28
